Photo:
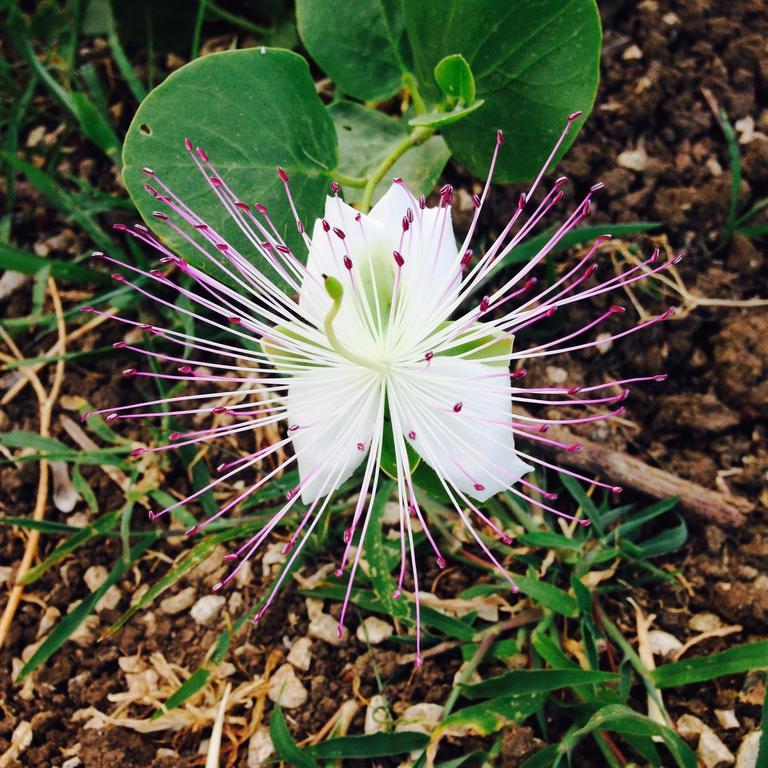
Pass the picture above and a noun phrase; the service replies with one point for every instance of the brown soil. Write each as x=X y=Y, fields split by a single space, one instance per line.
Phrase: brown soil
x=707 y=423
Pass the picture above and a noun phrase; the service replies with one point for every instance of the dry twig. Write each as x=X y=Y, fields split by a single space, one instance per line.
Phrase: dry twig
x=46 y=402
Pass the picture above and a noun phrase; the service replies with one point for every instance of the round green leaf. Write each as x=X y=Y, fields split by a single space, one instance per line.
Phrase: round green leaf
x=359 y=44
x=455 y=78
x=534 y=63
x=250 y=110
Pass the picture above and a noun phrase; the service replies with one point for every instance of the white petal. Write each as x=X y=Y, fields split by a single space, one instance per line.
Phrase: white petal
x=429 y=250
x=368 y=246
x=335 y=411
x=474 y=455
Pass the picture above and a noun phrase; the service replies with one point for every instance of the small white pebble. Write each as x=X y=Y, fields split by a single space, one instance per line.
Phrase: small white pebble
x=273 y=556
x=300 y=654
x=374 y=631
x=65 y=497
x=670 y=19
x=391 y=514
x=422 y=718
x=705 y=622
x=632 y=53
x=712 y=752
x=377 y=717
x=727 y=718
x=50 y=616
x=178 y=602
x=207 y=608
x=746 y=757
x=634 y=159
x=746 y=129
x=286 y=689
x=713 y=166
x=556 y=375
x=603 y=343
x=245 y=575
x=260 y=749
x=314 y=607
x=95 y=576
x=325 y=627
x=690 y=726
x=662 y=643
x=235 y=602
x=73 y=762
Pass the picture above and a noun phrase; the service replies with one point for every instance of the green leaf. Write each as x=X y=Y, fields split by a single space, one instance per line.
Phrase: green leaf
x=536 y=681
x=69 y=623
x=534 y=63
x=373 y=745
x=250 y=110
x=549 y=757
x=454 y=76
x=95 y=126
x=191 y=559
x=493 y=715
x=366 y=137
x=388 y=461
x=359 y=44
x=549 y=540
x=734 y=661
x=621 y=719
x=430 y=618
x=439 y=119
x=376 y=554
x=29 y=263
x=548 y=595
x=79 y=537
x=284 y=744
x=24 y=439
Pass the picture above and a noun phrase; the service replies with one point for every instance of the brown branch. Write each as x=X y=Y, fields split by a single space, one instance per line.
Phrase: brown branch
x=628 y=471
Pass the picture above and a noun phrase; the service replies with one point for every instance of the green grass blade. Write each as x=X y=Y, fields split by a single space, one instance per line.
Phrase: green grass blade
x=548 y=595
x=373 y=745
x=75 y=541
x=536 y=681
x=284 y=744
x=23 y=261
x=734 y=661
x=620 y=719
x=69 y=623
x=191 y=559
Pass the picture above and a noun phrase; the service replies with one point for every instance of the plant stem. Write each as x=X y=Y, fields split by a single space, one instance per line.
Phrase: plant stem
x=412 y=86
x=198 y=28
x=238 y=21
x=416 y=136
x=358 y=182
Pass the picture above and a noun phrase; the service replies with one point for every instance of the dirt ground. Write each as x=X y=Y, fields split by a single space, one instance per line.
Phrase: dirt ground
x=654 y=141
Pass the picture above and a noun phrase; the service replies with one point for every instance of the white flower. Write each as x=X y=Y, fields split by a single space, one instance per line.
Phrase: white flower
x=381 y=352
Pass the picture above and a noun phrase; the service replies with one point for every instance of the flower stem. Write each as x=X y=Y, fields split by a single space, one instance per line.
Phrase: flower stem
x=416 y=136
x=358 y=182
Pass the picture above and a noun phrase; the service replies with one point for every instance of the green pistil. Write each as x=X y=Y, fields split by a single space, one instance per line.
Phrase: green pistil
x=335 y=290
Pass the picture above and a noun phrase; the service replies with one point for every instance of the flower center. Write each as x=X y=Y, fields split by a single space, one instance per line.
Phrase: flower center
x=336 y=292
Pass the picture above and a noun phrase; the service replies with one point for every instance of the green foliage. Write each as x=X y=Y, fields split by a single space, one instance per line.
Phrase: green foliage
x=533 y=63
x=263 y=112
x=367 y=137
x=360 y=44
